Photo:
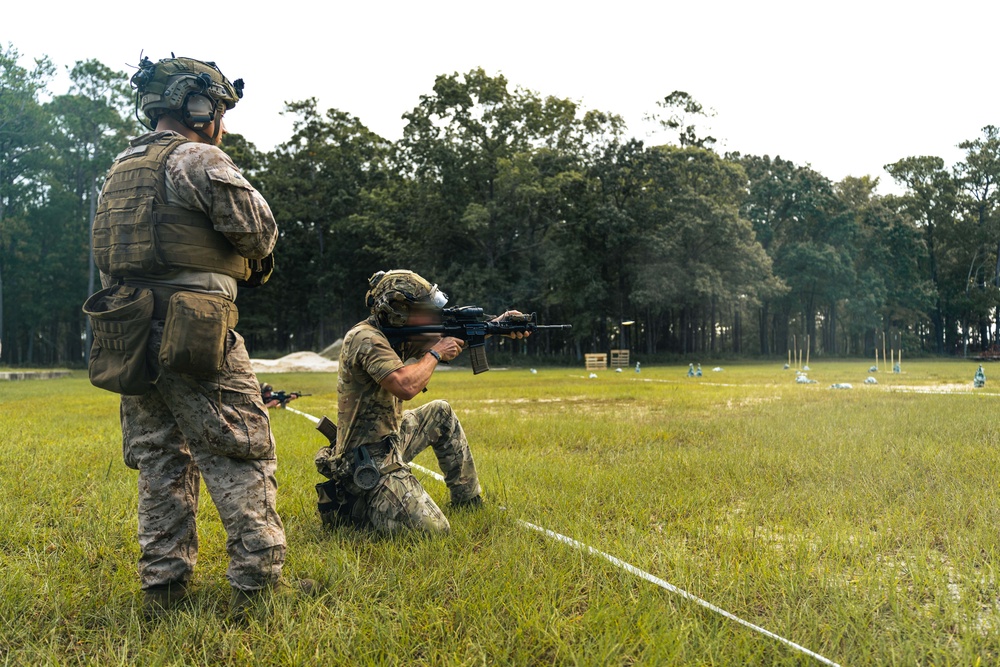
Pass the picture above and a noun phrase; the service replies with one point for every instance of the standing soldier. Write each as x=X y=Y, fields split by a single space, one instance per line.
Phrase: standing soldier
x=178 y=227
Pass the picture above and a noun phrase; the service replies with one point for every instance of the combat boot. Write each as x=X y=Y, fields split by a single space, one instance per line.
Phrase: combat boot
x=473 y=503
x=243 y=603
x=158 y=600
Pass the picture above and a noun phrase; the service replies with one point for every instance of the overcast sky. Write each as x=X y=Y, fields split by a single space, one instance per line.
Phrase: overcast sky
x=846 y=87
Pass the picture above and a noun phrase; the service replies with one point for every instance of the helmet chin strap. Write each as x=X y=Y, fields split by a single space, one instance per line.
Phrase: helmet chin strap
x=207 y=139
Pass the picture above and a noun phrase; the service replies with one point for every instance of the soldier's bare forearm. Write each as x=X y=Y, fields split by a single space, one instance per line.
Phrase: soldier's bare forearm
x=409 y=381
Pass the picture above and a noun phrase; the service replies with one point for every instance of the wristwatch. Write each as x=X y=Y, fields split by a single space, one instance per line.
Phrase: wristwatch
x=434 y=353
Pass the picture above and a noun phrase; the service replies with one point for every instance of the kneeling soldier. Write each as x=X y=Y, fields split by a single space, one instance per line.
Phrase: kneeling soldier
x=370 y=483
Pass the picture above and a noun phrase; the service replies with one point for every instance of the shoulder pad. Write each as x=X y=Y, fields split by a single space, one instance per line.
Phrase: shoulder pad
x=132 y=151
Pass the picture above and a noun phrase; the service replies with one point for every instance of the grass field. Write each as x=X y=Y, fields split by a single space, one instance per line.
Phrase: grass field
x=861 y=524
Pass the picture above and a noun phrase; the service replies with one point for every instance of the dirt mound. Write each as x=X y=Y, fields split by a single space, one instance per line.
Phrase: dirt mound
x=296 y=362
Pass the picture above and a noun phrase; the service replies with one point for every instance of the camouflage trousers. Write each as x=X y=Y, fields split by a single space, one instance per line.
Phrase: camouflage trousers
x=399 y=502
x=217 y=430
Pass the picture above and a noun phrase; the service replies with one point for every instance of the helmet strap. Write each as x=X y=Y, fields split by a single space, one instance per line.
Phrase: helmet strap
x=208 y=139
x=219 y=112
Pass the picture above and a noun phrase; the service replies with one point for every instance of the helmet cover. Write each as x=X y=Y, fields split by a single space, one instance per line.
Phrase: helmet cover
x=394 y=294
x=167 y=86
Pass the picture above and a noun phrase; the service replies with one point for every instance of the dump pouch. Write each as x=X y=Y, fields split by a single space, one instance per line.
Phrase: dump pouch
x=120 y=319
x=338 y=507
x=194 y=333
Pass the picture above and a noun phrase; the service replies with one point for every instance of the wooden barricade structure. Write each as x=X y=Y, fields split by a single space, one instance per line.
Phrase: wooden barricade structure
x=596 y=362
x=619 y=358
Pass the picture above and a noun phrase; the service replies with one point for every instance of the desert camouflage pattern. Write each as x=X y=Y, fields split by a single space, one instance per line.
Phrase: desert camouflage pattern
x=218 y=429
x=203 y=178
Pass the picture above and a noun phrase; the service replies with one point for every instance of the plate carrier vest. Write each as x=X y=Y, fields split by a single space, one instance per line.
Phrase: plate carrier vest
x=136 y=234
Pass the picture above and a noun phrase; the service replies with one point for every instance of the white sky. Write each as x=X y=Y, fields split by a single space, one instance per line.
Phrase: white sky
x=846 y=87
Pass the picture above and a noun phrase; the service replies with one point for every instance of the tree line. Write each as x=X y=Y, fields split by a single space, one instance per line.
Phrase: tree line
x=509 y=198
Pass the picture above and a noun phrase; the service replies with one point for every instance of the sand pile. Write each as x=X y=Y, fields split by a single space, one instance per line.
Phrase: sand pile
x=296 y=362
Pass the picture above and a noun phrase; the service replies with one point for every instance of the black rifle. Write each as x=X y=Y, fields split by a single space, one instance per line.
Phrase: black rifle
x=283 y=397
x=469 y=324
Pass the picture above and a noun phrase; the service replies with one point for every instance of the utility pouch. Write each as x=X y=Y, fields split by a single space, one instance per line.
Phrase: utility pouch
x=260 y=271
x=338 y=507
x=120 y=319
x=194 y=333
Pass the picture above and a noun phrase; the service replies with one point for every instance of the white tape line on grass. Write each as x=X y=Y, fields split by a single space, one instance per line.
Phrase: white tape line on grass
x=628 y=567
x=314 y=420
x=436 y=475
x=642 y=574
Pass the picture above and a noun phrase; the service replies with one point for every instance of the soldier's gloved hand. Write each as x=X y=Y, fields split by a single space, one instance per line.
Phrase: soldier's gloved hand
x=507 y=315
x=449 y=348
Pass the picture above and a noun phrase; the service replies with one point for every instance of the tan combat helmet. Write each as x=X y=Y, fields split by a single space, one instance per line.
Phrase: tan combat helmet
x=394 y=293
x=192 y=91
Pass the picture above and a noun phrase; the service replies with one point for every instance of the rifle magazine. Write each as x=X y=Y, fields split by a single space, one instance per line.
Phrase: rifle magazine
x=477 y=354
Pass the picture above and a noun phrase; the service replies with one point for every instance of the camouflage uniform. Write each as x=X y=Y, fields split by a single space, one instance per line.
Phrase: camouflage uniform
x=216 y=429
x=369 y=414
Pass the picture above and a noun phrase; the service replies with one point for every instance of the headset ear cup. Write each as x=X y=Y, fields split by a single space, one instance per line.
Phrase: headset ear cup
x=199 y=111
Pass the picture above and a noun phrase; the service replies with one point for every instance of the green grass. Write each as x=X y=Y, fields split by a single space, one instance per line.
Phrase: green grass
x=861 y=524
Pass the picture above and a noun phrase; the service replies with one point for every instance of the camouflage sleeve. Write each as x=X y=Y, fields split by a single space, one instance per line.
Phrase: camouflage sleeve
x=377 y=357
x=205 y=179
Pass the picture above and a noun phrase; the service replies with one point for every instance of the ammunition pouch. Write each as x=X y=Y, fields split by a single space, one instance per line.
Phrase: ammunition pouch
x=120 y=318
x=194 y=333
